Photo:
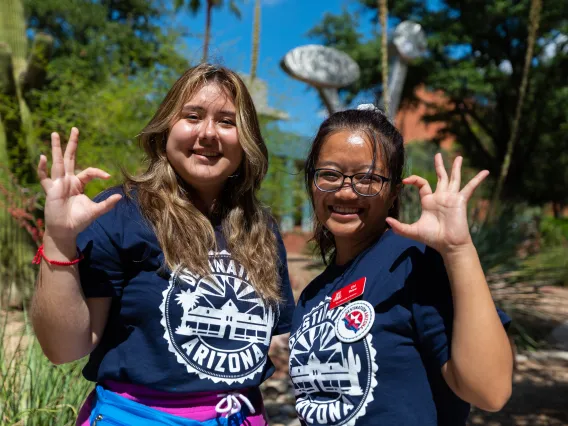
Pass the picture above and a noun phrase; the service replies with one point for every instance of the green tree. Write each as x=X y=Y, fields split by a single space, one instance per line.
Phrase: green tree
x=22 y=69
x=280 y=182
x=195 y=6
x=103 y=38
x=477 y=51
x=534 y=22
x=112 y=63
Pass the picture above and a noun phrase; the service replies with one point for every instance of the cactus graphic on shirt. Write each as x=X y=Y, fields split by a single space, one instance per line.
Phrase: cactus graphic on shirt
x=333 y=381
x=339 y=377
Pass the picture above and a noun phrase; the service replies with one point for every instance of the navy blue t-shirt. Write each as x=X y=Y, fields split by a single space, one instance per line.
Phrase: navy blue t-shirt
x=392 y=375
x=175 y=331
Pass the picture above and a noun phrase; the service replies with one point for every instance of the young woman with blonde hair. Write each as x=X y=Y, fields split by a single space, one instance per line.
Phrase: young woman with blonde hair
x=176 y=281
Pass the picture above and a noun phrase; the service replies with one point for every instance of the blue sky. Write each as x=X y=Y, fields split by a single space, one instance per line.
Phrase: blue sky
x=284 y=25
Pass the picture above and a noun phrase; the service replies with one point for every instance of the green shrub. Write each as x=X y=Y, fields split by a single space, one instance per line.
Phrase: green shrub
x=554 y=231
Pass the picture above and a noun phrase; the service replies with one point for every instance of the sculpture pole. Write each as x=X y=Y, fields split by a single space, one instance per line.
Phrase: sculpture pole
x=409 y=42
x=326 y=69
x=330 y=98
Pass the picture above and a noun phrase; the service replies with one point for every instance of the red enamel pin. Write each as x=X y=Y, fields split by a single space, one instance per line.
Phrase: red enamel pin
x=347 y=293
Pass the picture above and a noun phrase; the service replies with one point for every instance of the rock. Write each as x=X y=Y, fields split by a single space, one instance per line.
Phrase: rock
x=281 y=386
x=270 y=394
x=11 y=296
x=288 y=411
x=287 y=398
x=272 y=409
x=543 y=355
x=560 y=336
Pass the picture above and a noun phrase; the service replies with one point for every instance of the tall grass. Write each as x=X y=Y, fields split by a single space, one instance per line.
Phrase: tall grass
x=34 y=392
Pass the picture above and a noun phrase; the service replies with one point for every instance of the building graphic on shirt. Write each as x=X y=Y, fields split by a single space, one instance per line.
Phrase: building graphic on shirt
x=333 y=381
x=329 y=377
x=217 y=326
x=226 y=322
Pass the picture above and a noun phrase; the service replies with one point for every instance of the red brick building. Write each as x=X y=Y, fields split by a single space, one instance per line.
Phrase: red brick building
x=409 y=122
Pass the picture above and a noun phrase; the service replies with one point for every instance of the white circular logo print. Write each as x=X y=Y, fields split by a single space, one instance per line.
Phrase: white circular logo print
x=355 y=321
x=333 y=381
x=216 y=325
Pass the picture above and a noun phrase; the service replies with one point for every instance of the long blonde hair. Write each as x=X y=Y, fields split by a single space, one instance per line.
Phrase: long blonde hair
x=185 y=234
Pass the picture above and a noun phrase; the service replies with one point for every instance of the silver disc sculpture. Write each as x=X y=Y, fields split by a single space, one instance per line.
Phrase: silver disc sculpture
x=325 y=68
x=409 y=43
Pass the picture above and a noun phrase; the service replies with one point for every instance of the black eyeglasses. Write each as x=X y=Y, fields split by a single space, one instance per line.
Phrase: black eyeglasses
x=364 y=184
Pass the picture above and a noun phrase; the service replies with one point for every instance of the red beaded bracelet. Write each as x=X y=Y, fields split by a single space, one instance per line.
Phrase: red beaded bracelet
x=40 y=254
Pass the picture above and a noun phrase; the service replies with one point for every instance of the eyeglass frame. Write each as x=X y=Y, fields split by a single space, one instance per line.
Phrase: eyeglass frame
x=351 y=183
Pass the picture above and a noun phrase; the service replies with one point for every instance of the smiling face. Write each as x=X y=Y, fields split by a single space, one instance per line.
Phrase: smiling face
x=203 y=144
x=354 y=220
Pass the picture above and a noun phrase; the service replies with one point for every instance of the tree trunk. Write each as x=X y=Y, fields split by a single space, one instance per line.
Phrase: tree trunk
x=207 y=31
x=557 y=210
x=255 y=40
x=383 y=13
x=534 y=20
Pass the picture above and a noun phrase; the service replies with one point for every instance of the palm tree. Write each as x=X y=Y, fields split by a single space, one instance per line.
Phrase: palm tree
x=255 y=40
x=534 y=21
x=188 y=299
x=195 y=6
x=383 y=13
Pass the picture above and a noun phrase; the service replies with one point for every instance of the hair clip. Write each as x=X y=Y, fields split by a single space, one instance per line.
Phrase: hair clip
x=370 y=107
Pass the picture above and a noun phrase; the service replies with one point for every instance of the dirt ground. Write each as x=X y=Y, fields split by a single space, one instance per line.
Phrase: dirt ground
x=540 y=396
x=12 y=331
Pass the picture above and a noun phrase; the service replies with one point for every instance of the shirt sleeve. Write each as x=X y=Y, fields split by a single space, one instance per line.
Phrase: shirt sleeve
x=101 y=270
x=432 y=307
x=287 y=306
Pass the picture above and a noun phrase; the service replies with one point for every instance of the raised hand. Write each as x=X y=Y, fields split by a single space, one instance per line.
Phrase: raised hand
x=443 y=223
x=68 y=211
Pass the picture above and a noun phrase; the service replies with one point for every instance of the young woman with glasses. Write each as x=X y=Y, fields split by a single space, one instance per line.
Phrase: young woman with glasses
x=400 y=328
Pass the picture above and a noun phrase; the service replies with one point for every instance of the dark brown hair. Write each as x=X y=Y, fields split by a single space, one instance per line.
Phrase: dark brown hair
x=383 y=136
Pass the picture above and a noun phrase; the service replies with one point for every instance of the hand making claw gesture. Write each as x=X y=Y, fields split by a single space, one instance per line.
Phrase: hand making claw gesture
x=443 y=223
x=68 y=211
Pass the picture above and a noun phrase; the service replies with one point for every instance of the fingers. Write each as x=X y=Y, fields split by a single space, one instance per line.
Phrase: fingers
x=472 y=185
x=441 y=172
x=91 y=173
x=455 y=178
x=400 y=228
x=420 y=183
x=57 y=166
x=42 y=172
x=106 y=205
x=70 y=151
